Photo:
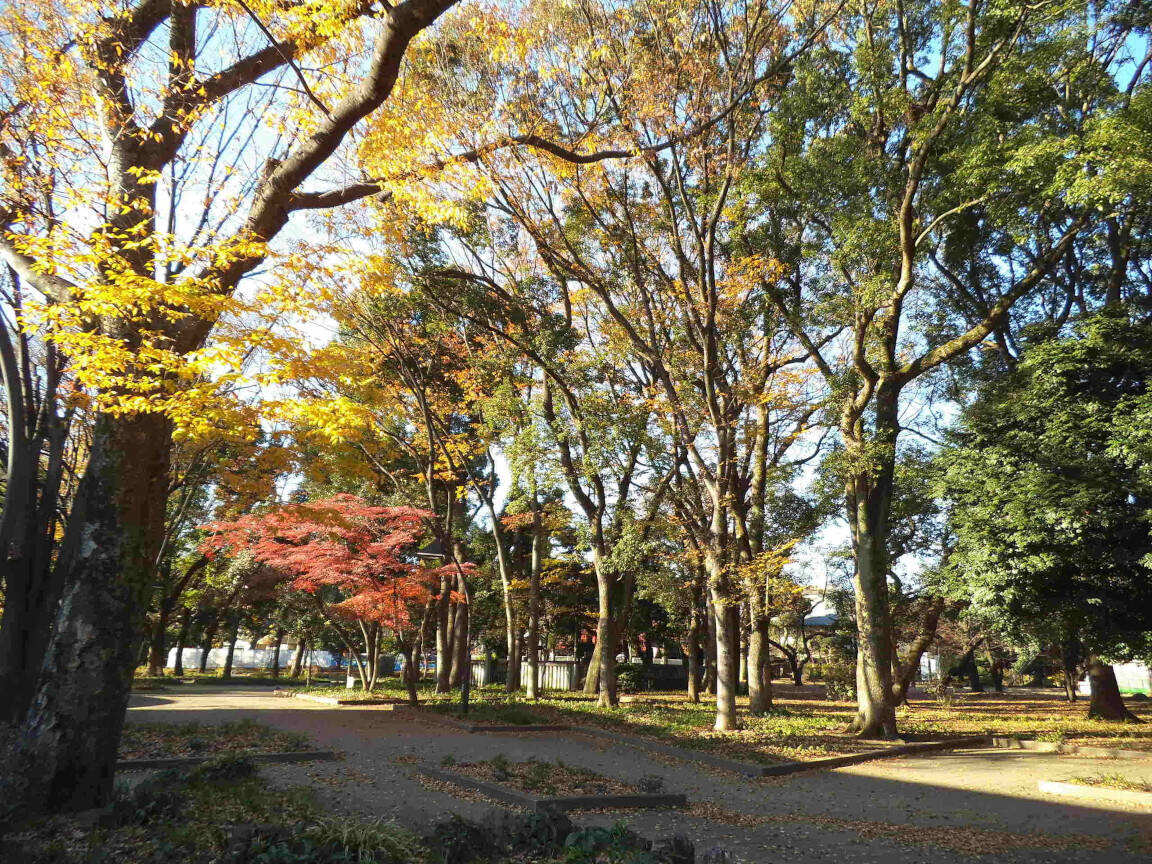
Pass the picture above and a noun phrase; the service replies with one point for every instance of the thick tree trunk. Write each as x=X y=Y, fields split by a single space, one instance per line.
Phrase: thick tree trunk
x=592 y=676
x=66 y=748
x=1106 y=703
x=298 y=659
x=727 y=660
x=759 y=676
x=461 y=636
x=875 y=706
x=606 y=643
x=181 y=641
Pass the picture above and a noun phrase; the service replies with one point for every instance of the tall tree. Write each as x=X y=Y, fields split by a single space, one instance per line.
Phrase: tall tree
x=908 y=133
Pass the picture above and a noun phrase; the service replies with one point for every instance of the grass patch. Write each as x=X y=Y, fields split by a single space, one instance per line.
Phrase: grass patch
x=543 y=778
x=168 y=740
x=1114 y=781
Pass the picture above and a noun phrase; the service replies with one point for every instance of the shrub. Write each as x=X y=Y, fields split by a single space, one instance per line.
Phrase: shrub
x=839 y=682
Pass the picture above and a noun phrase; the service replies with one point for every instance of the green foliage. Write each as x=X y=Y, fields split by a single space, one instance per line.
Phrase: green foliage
x=1050 y=482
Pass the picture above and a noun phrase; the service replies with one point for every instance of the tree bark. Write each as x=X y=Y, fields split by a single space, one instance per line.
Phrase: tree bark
x=875 y=706
x=461 y=644
x=606 y=642
x=727 y=659
x=443 y=635
x=298 y=659
x=759 y=676
x=1106 y=703
x=66 y=749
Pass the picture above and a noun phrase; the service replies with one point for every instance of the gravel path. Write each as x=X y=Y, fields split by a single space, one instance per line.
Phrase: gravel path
x=943 y=808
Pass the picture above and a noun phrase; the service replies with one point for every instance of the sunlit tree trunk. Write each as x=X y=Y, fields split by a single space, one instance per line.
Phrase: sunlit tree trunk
x=298 y=658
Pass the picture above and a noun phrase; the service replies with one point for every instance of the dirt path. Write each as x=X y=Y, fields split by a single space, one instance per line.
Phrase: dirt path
x=953 y=807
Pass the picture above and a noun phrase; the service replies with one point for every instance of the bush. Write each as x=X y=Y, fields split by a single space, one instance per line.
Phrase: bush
x=839 y=682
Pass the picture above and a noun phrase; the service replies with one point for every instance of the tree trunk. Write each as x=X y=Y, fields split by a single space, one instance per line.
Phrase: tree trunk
x=156 y=658
x=461 y=644
x=66 y=748
x=592 y=676
x=227 y=674
x=710 y=650
x=875 y=706
x=443 y=653
x=606 y=642
x=692 y=652
x=181 y=641
x=996 y=669
x=411 y=671
x=1070 y=664
x=1106 y=703
x=276 y=652
x=727 y=660
x=532 y=648
x=759 y=676
x=908 y=668
x=298 y=659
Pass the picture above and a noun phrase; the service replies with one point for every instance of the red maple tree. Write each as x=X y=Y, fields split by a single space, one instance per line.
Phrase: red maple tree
x=357 y=561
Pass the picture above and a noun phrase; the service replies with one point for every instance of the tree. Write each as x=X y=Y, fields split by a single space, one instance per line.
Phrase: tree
x=1049 y=485
x=135 y=298
x=365 y=553
x=905 y=141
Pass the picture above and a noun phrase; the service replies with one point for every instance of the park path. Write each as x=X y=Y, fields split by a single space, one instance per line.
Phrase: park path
x=940 y=808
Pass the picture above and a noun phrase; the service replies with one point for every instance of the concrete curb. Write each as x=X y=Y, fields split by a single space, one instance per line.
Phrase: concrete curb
x=872 y=755
x=1095 y=793
x=563 y=803
x=336 y=700
x=188 y=761
x=1008 y=742
x=749 y=769
x=758 y=769
x=466 y=726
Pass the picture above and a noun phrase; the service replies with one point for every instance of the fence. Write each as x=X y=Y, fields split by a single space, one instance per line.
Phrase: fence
x=251 y=658
x=554 y=674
